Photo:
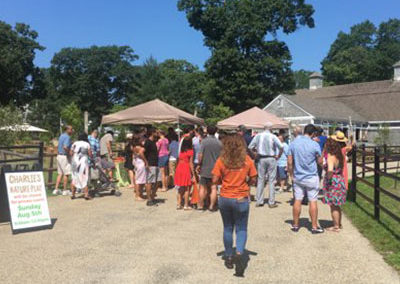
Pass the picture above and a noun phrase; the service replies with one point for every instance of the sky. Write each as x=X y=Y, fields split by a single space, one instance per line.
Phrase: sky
x=156 y=27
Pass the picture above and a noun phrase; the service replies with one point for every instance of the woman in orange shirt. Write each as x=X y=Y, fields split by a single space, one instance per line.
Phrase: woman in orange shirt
x=235 y=170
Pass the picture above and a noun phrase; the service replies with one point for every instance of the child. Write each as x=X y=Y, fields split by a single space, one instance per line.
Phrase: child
x=184 y=173
x=140 y=164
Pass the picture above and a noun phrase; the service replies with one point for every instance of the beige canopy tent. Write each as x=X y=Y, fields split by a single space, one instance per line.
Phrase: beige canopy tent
x=155 y=111
x=254 y=118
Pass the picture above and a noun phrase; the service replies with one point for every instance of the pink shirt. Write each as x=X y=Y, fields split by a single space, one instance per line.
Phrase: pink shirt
x=162 y=146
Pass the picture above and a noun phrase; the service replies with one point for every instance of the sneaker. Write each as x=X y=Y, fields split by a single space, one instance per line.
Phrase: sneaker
x=295 y=228
x=272 y=205
x=66 y=193
x=56 y=192
x=151 y=203
x=318 y=230
x=259 y=205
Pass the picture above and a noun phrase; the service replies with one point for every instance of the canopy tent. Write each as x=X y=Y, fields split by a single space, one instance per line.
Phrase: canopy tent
x=23 y=127
x=254 y=118
x=155 y=111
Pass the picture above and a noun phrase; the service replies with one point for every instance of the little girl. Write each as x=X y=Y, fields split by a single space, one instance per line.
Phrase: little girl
x=184 y=173
x=140 y=163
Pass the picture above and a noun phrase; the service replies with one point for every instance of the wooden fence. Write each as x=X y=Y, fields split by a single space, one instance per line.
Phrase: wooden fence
x=376 y=161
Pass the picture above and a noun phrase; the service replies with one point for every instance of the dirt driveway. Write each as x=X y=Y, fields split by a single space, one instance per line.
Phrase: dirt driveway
x=117 y=240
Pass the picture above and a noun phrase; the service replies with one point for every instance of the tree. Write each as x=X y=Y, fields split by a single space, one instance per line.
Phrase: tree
x=72 y=115
x=182 y=84
x=94 y=78
x=301 y=78
x=245 y=68
x=177 y=82
x=150 y=77
x=10 y=116
x=217 y=113
x=365 y=54
x=17 y=70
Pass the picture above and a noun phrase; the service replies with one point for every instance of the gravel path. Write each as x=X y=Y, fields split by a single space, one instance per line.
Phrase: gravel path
x=117 y=240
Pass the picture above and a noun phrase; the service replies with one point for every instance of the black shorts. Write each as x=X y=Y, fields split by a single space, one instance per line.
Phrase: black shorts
x=205 y=181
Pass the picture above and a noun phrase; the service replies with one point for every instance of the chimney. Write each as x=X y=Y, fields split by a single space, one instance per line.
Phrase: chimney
x=315 y=81
x=396 y=68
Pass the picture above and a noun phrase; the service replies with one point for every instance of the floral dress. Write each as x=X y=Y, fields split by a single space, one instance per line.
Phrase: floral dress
x=80 y=164
x=335 y=191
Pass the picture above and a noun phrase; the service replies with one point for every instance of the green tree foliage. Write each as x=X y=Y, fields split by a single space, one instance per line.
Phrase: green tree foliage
x=246 y=68
x=217 y=113
x=383 y=135
x=176 y=82
x=301 y=79
x=17 y=71
x=72 y=115
x=10 y=116
x=94 y=78
x=366 y=53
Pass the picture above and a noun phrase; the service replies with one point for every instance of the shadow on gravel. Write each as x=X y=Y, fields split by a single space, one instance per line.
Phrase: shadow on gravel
x=240 y=269
x=305 y=223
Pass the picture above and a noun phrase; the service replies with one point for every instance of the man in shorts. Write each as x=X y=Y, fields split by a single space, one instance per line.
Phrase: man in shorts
x=106 y=153
x=304 y=156
x=209 y=152
x=282 y=165
x=63 y=161
x=153 y=171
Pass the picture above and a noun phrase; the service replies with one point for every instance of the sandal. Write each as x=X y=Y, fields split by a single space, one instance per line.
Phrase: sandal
x=333 y=229
x=88 y=198
x=178 y=207
x=187 y=208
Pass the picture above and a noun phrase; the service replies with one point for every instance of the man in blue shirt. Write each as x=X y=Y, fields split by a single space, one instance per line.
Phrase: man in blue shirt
x=304 y=156
x=63 y=162
x=266 y=144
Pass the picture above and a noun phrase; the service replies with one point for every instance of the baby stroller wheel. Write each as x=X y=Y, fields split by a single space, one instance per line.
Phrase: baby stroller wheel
x=112 y=192
x=117 y=193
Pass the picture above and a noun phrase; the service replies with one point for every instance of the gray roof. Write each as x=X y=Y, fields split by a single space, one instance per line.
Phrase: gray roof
x=326 y=109
x=371 y=101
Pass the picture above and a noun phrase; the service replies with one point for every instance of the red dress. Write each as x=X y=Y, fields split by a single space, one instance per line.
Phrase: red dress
x=183 y=175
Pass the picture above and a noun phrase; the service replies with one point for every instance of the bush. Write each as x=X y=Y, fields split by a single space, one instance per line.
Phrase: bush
x=10 y=118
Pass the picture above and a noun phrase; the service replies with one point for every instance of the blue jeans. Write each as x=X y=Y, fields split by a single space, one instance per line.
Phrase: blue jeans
x=234 y=214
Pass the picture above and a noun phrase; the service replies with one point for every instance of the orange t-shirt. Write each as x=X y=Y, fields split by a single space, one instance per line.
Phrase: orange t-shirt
x=234 y=181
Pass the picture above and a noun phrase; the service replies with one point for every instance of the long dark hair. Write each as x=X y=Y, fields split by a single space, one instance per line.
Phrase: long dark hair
x=187 y=144
x=83 y=137
x=334 y=148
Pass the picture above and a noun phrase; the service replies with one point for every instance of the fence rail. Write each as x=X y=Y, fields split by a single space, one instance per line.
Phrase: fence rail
x=379 y=158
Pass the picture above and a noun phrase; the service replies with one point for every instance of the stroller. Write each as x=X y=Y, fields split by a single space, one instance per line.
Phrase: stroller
x=100 y=183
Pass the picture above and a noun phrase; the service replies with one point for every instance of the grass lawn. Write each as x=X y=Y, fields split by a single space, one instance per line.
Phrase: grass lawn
x=384 y=235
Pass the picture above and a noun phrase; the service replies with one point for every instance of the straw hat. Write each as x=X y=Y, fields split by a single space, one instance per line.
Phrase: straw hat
x=339 y=137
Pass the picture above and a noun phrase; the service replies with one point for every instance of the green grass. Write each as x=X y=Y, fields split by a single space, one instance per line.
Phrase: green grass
x=385 y=234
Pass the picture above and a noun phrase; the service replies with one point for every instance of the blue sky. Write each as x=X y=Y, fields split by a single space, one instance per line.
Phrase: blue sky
x=156 y=27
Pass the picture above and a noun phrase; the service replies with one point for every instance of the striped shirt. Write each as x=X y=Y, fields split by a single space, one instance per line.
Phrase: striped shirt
x=266 y=144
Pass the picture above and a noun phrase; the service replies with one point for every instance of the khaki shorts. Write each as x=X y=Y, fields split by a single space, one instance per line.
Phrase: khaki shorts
x=63 y=165
x=153 y=175
x=172 y=168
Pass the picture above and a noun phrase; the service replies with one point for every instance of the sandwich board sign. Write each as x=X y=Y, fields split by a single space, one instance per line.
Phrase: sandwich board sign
x=27 y=201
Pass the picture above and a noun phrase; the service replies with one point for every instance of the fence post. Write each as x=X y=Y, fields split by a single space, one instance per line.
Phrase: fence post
x=41 y=145
x=353 y=187
x=376 y=183
x=363 y=160
x=385 y=158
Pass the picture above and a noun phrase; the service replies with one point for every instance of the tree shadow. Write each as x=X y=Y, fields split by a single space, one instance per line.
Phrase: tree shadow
x=245 y=260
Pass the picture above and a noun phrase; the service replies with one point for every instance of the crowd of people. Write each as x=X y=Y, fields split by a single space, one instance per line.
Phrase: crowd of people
x=202 y=164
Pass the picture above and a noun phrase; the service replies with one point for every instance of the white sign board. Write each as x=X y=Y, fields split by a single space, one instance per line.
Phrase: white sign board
x=27 y=200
